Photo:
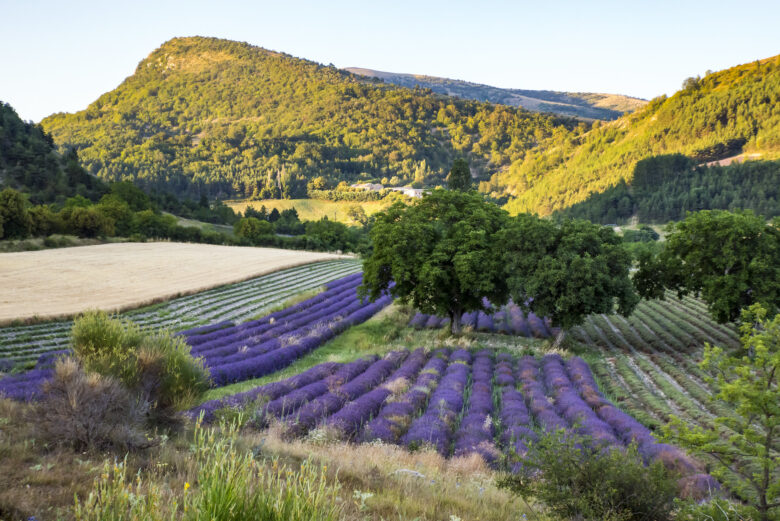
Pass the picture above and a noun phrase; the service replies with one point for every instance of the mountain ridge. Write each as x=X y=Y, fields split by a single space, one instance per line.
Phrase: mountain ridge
x=586 y=105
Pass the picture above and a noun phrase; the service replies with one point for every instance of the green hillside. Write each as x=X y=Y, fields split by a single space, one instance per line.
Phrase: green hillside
x=664 y=188
x=30 y=163
x=585 y=105
x=717 y=116
x=223 y=118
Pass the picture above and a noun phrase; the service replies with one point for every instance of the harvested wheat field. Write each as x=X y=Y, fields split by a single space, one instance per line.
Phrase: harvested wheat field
x=63 y=282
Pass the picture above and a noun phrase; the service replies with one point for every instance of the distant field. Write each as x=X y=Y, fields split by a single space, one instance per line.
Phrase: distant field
x=67 y=281
x=311 y=209
x=206 y=227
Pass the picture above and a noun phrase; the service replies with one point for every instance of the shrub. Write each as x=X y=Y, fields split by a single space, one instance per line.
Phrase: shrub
x=87 y=410
x=576 y=477
x=158 y=367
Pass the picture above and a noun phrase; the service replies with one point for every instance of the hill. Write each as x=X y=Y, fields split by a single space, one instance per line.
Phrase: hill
x=223 y=118
x=30 y=162
x=719 y=115
x=575 y=104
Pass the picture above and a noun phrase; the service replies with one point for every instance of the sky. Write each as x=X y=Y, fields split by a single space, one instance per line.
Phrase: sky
x=58 y=56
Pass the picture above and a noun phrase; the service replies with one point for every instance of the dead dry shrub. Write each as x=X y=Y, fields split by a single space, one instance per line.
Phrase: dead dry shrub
x=88 y=411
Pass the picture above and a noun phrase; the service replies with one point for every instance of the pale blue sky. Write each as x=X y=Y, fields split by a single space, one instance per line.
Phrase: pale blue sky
x=61 y=55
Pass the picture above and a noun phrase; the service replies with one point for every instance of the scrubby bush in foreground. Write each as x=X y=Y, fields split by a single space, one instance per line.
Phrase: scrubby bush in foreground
x=578 y=478
x=85 y=410
x=157 y=367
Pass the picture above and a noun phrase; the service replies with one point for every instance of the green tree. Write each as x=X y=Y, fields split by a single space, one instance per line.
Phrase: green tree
x=748 y=381
x=441 y=252
x=151 y=224
x=261 y=214
x=357 y=214
x=731 y=260
x=135 y=198
x=89 y=222
x=460 y=175
x=329 y=235
x=44 y=221
x=566 y=271
x=14 y=218
x=253 y=229
x=119 y=211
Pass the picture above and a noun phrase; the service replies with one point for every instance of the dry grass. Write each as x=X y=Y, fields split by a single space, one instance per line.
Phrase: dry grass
x=404 y=485
x=63 y=282
x=376 y=481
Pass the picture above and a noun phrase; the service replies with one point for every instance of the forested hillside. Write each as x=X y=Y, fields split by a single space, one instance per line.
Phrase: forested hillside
x=587 y=105
x=29 y=162
x=217 y=117
x=665 y=188
x=716 y=116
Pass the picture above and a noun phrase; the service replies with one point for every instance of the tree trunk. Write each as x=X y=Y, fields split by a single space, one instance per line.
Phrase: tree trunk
x=559 y=338
x=455 y=322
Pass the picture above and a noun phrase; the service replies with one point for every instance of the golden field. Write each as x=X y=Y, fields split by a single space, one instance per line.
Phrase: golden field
x=63 y=282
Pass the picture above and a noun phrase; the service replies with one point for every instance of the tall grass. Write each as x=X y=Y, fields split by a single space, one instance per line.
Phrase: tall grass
x=227 y=484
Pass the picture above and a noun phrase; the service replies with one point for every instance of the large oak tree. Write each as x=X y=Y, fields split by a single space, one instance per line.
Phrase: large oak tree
x=566 y=271
x=441 y=253
x=730 y=259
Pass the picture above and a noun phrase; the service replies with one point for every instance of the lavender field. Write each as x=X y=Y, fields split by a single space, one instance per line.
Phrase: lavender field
x=251 y=349
x=457 y=402
x=509 y=320
x=21 y=345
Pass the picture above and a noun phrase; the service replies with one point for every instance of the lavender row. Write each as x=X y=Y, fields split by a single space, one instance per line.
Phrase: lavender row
x=394 y=418
x=477 y=428
x=308 y=416
x=281 y=354
x=263 y=347
x=494 y=406
x=210 y=339
x=349 y=420
x=509 y=320
x=436 y=426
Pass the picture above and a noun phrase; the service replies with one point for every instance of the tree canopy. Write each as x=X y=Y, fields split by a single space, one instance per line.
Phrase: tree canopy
x=441 y=254
x=730 y=259
x=15 y=222
x=459 y=177
x=665 y=188
x=728 y=112
x=453 y=252
x=566 y=271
